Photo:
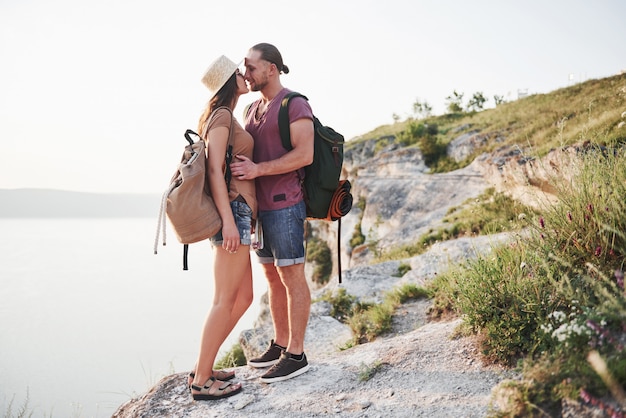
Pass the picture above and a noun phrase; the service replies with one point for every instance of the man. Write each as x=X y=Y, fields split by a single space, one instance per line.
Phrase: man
x=282 y=211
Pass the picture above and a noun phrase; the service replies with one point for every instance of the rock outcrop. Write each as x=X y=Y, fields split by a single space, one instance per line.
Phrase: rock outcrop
x=419 y=369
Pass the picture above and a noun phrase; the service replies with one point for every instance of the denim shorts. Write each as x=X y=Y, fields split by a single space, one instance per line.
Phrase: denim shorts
x=283 y=235
x=243 y=220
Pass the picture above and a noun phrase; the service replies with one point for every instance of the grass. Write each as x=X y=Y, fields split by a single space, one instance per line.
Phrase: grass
x=552 y=301
x=235 y=357
x=367 y=320
x=589 y=111
x=318 y=252
x=490 y=213
x=22 y=411
x=366 y=372
x=553 y=296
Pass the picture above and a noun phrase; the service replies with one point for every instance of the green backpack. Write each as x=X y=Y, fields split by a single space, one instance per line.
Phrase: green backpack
x=326 y=196
x=321 y=178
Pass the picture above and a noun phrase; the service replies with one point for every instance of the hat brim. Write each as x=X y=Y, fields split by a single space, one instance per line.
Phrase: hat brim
x=217 y=82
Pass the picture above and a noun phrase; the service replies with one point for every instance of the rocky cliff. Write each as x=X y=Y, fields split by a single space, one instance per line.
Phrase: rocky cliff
x=420 y=368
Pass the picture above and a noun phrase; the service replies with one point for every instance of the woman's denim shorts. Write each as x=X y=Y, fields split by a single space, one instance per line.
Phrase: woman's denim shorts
x=283 y=235
x=243 y=220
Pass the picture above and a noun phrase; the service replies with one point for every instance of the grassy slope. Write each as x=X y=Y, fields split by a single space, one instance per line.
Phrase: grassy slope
x=586 y=111
x=558 y=297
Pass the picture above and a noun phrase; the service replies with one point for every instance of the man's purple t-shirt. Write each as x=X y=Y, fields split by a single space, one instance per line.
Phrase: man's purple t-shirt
x=281 y=190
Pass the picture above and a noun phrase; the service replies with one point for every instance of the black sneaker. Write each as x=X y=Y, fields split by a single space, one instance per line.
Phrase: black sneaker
x=269 y=358
x=286 y=368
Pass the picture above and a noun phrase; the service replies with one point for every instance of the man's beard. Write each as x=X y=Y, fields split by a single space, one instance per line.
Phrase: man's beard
x=258 y=86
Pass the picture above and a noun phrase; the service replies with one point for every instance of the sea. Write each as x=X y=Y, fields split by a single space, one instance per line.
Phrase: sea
x=90 y=317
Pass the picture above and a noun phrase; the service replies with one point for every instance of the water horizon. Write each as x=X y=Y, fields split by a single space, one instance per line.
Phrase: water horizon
x=91 y=317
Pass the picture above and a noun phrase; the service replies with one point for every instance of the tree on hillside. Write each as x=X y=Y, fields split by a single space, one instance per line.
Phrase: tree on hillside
x=455 y=102
x=477 y=102
x=422 y=109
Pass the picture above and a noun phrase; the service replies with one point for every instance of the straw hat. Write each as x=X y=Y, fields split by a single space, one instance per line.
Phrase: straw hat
x=218 y=74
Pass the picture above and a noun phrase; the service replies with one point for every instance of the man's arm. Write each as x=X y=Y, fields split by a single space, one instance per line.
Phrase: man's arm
x=301 y=155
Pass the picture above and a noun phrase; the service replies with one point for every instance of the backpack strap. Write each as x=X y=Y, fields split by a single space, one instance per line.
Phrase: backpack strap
x=283 y=119
x=339 y=249
x=229 y=145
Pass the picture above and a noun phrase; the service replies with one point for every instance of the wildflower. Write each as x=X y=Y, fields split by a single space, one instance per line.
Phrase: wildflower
x=569 y=216
x=598 y=251
x=542 y=223
x=585 y=395
x=547 y=328
x=619 y=278
x=594 y=326
x=590 y=208
x=522 y=265
x=557 y=315
x=521 y=216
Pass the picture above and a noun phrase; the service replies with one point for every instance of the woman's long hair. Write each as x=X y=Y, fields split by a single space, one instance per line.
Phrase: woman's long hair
x=224 y=97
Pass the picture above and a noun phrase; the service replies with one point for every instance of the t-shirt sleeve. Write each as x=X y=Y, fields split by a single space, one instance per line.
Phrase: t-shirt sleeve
x=221 y=118
x=299 y=108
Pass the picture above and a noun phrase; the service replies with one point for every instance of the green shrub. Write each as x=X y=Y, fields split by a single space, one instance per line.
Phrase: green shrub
x=367 y=320
x=433 y=149
x=403 y=269
x=318 y=252
x=557 y=292
x=357 y=236
x=490 y=213
x=233 y=358
x=342 y=304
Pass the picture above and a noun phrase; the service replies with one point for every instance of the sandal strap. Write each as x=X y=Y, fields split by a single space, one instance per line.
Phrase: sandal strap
x=211 y=388
x=223 y=374
x=221 y=389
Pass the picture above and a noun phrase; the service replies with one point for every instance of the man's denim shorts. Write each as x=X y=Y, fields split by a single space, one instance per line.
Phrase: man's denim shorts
x=283 y=235
x=243 y=219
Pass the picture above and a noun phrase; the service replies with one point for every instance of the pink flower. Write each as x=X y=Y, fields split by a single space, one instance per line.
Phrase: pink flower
x=598 y=251
x=619 y=278
x=585 y=395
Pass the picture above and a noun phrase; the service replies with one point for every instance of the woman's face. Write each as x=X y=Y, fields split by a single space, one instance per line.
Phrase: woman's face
x=242 y=87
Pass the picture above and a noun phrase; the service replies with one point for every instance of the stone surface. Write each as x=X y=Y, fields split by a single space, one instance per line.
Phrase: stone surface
x=416 y=370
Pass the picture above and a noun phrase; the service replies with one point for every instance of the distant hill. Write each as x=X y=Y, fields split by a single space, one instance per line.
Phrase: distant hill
x=45 y=203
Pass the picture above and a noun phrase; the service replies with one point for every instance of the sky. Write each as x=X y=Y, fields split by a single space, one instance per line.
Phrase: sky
x=95 y=95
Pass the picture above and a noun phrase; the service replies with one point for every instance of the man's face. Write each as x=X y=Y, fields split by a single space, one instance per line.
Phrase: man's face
x=257 y=71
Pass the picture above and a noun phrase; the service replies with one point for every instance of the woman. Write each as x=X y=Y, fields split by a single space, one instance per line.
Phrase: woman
x=237 y=208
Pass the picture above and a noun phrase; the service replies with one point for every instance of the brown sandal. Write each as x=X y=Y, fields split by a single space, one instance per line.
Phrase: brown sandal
x=215 y=389
x=222 y=375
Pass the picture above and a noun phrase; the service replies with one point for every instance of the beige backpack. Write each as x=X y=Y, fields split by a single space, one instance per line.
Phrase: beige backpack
x=187 y=201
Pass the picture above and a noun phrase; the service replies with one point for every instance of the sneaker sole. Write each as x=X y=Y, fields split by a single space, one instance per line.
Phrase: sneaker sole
x=261 y=364
x=281 y=378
